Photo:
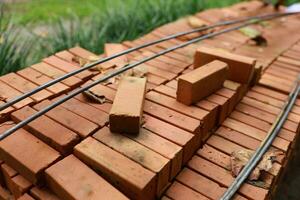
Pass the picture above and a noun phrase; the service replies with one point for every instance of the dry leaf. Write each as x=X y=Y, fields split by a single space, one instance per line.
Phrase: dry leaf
x=241 y=157
x=195 y=22
x=98 y=98
x=83 y=62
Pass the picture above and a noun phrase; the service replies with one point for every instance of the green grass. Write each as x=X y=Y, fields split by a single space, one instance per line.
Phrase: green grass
x=89 y=24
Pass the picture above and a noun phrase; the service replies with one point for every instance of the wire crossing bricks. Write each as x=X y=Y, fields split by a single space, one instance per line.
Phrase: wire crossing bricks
x=200 y=83
x=126 y=113
x=241 y=68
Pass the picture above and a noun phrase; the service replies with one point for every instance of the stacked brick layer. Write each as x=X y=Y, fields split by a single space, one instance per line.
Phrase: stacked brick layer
x=181 y=151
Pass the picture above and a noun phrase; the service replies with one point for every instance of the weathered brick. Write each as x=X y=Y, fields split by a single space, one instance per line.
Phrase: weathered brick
x=47 y=130
x=139 y=153
x=126 y=112
x=79 y=181
x=53 y=73
x=76 y=123
x=30 y=158
x=24 y=86
x=20 y=185
x=128 y=176
x=40 y=79
x=8 y=93
x=188 y=141
x=241 y=68
x=201 y=82
x=43 y=194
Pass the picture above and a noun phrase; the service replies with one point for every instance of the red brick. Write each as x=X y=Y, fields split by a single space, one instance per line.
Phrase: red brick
x=223 y=104
x=265 y=116
x=224 y=178
x=162 y=146
x=114 y=48
x=54 y=73
x=79 y=181
x=84 y=110
x=47 y=130
x=30 y=158
x=270 y=93
x=191 y=111
x=255 y=133
x=201 y=82
x=10 y=93
x=66 y=66
x=40 y=79
x=81 y=52
x=126 y=112
x=20 y=185
x=289 y=61
x=128 y=176
x=202 y=184
x=140 y=154
x=188 y=141
x=265 y=99
x=180 y=192
x=4 y=113
x=8 y=174
x=102 y=107
x=259 y=124
x=231 y=96
x=26 y=197
x=43 y=194
x=67 y=56
x=74 y=122
x=241 y=68
x=4 y=194
x=24 y=86
x=275 y=85
x=182 y=121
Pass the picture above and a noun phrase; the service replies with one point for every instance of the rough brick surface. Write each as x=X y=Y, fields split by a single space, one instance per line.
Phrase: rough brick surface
x=200 y=83
x=125 y=174
x=126 y=113
x=43 y=194
x=79 y=181
x=30 y=158
x=241 y=68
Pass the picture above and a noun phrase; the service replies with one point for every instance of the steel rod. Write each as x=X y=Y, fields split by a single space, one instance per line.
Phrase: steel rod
x=121 y=70
x=257 y=156
x=54 y=81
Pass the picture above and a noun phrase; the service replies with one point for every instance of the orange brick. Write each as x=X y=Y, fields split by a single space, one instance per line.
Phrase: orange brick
x=40 y=79
x=43 y=194
x=70 y=120
x=66 y=67
x=114 y=48
x=24 y=86
x=49 y=131
x=79 y=181
x=140 y=154
x=10 y=93
x=20 y=185
x=30 y=158
x=162 y=146
x=223 y=104
x=126 y=112
x=188 y=141
x=201 y=82
x=128 y=176
x=26 y=197
x=180 y=192
x=53 y=73
x=8 y=174
x=241 y=68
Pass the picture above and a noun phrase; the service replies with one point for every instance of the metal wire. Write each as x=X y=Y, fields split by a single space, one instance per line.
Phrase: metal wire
x=52 y=82
x=121 y=70
x=255 y=159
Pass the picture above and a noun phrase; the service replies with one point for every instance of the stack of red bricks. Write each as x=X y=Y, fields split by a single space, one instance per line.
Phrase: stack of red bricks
x=182 y=151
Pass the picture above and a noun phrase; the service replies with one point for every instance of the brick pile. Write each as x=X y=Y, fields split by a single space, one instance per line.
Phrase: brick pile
x=181 y=152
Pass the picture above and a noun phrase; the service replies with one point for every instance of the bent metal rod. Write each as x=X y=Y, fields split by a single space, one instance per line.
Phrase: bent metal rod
x=121 y=70
x=52 y=82
x=257 y=156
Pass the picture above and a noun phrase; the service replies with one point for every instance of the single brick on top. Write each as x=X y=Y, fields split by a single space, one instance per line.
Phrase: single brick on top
x=126 y=113
x=241 y=68
x=201 y=82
